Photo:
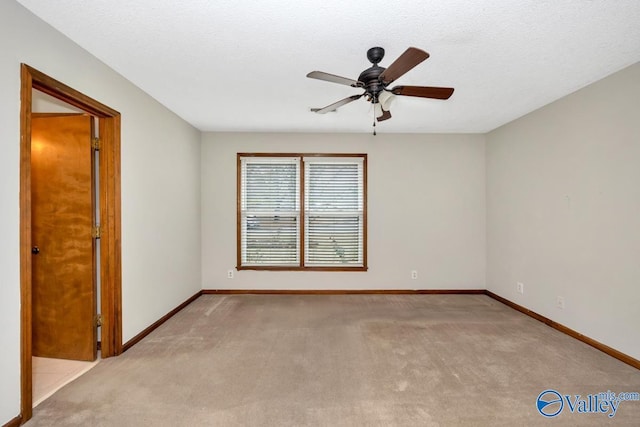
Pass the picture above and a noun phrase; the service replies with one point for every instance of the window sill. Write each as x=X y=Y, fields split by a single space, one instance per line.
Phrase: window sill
x=293 y=268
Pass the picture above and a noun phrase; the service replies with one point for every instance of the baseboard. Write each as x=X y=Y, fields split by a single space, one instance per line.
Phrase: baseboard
x=133 y=341
x=343 y=291
x=14 y=422
x=565 y=330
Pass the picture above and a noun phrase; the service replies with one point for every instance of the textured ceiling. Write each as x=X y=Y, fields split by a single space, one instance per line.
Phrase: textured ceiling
x=239 y=65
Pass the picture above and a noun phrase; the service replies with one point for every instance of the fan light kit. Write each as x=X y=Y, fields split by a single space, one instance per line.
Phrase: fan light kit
x=375 y=79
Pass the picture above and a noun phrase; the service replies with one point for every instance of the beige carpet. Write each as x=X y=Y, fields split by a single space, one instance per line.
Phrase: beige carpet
x=344 y=360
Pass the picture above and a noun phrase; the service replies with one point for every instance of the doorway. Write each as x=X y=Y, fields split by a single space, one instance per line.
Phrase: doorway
x=109 y=212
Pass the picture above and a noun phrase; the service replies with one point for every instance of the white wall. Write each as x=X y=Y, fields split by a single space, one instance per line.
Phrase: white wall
x=43 y=103
x=426 y=210
x=160 y=187
x=563 y=203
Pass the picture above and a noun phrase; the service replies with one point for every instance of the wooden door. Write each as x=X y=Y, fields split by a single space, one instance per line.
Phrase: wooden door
x=63 y=281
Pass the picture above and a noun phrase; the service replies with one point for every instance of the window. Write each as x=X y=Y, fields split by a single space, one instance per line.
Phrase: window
x=302 y=211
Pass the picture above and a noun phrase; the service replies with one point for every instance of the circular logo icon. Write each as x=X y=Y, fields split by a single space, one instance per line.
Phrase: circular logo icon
x=549 y=403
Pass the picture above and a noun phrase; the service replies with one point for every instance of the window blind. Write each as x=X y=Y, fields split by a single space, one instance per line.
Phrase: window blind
x=334 y=207
x=270 y=211
x=302 y=211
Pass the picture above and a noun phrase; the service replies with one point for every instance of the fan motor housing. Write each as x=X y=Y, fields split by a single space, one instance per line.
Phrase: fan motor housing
x=372 y=84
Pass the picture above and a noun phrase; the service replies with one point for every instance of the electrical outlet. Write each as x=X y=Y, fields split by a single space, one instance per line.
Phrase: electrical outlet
x=414 y=274
x=520 y=287
x=229 y=274
x=560 y=302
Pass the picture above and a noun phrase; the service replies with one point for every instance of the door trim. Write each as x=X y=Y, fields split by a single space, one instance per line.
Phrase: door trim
x=109 y=189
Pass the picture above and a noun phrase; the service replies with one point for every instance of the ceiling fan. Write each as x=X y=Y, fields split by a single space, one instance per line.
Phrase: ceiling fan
x=375 y=79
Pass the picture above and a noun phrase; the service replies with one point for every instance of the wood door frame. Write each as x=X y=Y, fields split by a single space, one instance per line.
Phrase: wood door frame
x=109 y=189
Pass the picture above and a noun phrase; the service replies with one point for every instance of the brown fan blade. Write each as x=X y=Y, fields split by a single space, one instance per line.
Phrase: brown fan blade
x=336 y=105
x=423 y=91
x=320 y=75
x=409 y=59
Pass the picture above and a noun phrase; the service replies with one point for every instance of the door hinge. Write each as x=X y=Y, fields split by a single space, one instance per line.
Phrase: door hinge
x=95 y=144
x=96 y=232
x=99 y=320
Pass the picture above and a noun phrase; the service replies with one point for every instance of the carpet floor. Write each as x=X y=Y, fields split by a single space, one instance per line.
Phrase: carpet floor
x=346 y=360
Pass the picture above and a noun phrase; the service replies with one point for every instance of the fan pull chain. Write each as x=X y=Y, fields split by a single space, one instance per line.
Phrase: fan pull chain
x=374 y=121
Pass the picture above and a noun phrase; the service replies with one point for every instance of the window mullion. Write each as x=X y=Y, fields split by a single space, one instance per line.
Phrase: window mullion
x=302 y=227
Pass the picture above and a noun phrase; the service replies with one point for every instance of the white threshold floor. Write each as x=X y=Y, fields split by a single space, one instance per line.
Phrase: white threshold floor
x=50 y=375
